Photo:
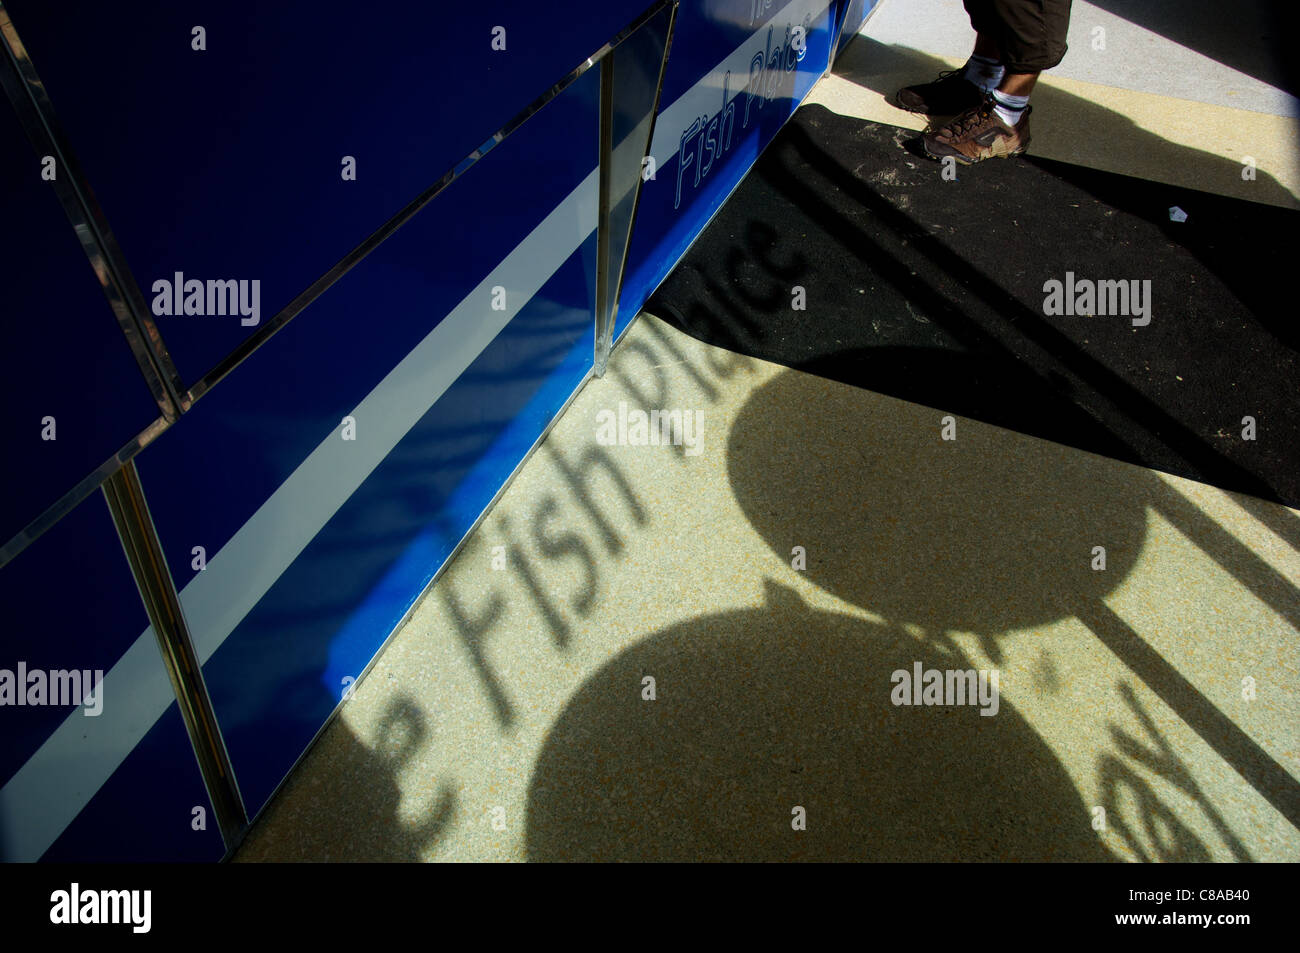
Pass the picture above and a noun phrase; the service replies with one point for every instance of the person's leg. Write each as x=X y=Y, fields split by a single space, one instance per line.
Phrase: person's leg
x=1011 y=97
x=987 y=46
x=1032 y=39
x=955 y=91
x=984 y=68
x=1018 y=84
x=1030 y=35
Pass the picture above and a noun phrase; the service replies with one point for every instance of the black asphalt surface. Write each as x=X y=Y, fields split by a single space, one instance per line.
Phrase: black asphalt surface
x=933 y=291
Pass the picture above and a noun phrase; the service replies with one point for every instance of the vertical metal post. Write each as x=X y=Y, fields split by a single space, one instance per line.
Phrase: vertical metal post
x=604 y=317
x=144 y=553
x=839 y=16
x=640 y=182
x=609 y=286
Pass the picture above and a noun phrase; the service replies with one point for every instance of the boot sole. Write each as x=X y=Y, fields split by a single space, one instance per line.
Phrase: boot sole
x=963 y=160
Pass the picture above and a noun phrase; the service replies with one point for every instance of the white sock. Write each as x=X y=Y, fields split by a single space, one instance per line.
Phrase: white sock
x=1009 y=108
x=984 y=72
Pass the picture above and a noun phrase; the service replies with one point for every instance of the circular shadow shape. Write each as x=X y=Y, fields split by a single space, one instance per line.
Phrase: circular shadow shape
x=762 y=711
x=984 y=533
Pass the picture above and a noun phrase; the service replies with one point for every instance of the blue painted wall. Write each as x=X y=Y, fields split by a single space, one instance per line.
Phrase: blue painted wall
x=63 y=356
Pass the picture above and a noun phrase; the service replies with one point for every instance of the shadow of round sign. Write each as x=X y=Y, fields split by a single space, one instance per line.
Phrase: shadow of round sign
x=983 y=533
x=763 y=711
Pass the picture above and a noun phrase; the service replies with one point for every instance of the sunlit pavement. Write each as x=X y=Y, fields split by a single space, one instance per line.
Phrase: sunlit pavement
x=669 y=652
x=507 y=719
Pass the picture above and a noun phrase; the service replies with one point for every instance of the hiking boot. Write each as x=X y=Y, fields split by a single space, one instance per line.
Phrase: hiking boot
x=978 y=134
x=948 y=95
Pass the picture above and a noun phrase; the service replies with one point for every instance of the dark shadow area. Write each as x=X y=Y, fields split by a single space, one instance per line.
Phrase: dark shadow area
x=1223 y=234
x=948 y=534
x=364 y=780
x=978 y=534
x=1237 y=242
x=895 y=263
x=762 y=711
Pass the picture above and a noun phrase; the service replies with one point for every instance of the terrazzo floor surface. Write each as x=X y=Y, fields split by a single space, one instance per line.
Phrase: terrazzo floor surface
x=821 y=538
x=508 y=720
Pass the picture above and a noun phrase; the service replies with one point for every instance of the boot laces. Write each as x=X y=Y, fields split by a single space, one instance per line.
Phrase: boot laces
x=972 y=118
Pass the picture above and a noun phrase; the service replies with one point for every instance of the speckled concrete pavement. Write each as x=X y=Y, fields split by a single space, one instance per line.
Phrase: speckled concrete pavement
x=669 y=652
x=1137 y=98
